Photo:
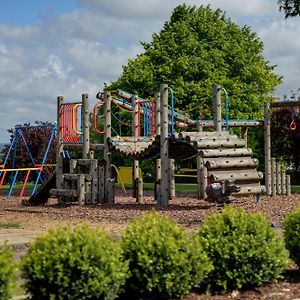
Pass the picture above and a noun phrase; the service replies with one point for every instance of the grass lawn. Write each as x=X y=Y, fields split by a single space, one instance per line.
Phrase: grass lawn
x=180 y=187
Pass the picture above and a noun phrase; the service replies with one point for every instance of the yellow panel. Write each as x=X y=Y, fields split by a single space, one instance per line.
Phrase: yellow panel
x=126 y=175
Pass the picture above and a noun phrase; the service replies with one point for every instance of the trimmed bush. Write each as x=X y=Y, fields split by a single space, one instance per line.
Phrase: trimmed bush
x=291 y=227
x=82 y=263
x=7 y=273
x=244 y=249
x=163 y=261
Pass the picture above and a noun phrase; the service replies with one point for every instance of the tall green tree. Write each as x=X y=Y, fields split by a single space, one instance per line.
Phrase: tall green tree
x=196 y=48
x=291 y=8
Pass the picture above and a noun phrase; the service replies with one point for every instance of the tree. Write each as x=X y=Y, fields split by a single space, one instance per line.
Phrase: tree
x=291 y=8
x=285 y=134
x=196 y=48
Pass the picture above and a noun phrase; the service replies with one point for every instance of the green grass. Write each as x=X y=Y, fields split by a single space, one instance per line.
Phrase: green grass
x=9 y=225
x=295 y=189
x=180 y=187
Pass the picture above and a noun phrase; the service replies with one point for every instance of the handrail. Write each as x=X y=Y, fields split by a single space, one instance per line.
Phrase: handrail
x=22 y=169
x=74 y=111
x=95 y=117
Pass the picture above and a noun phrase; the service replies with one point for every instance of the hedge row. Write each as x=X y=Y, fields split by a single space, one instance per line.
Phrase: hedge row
x=155 y=258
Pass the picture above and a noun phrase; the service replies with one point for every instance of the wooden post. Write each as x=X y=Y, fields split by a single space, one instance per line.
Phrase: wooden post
x=164 y=147
x=217 y=108
x=60 y=148
x=267 y=146
x=81 y=190
x=107 y=153
x=283 y=181
x=288 y=185
x=278 y=178
x=94 y=175
x=199 y=178
x=139 y=197
x=172 y=178
x=88 y=192
x=273 y=176
x=204 y=180
x=135 y=131
x=101 y=184
x=157 y=172
x=110 y=190
x=245 y=134
x=86 y=127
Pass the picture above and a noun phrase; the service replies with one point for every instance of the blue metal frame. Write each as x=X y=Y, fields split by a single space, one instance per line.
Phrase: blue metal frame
x=14 y=145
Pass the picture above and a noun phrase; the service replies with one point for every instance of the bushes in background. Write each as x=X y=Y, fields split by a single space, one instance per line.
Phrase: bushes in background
x=7 y=273
x=164 y=262
x=82 y=263
x=291 y=227
x=244 y=249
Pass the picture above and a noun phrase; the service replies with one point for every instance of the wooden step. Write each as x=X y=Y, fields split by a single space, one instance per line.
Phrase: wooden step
x=236 y=162
x=219 y=143
x=74 y=177
x=251 y=189
x=251 y=174
x=225 y=152
x=63 y=192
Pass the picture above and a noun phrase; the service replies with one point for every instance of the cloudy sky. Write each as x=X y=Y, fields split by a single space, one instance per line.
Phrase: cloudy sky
x=70 y=47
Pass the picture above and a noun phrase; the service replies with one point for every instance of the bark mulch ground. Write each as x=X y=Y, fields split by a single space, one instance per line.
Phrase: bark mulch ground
x=184 y=209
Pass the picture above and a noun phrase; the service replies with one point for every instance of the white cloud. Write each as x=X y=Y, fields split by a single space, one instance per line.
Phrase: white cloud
x=76 y=52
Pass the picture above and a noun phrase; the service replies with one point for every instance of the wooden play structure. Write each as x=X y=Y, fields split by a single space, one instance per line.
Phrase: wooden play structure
x=220 y=156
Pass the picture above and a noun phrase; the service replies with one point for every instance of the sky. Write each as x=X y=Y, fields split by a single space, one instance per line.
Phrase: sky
x=70 y=47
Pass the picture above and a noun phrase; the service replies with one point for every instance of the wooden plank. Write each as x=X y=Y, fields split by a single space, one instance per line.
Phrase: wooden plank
x=81 y=190
x=63 y=192
x=221 y=143
x=238 y=162
x=251 y=189
x=242 y=152
x=235 y=175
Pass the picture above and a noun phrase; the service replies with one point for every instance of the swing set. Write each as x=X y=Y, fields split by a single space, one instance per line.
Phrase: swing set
x=10 y=167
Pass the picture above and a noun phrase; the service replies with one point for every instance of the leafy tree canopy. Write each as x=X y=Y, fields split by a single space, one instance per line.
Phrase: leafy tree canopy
x=196 y=48
x=291 y=8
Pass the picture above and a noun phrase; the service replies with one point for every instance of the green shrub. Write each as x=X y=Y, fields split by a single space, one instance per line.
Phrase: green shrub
x=291 y=227
x=74 y=264
x=163 y=261
x=244 y=249
x=7 y=273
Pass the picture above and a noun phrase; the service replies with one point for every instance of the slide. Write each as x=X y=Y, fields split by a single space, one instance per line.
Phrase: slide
x=43 y=193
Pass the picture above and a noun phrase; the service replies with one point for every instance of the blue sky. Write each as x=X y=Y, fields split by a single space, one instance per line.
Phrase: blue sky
x=69 y=47
x=33 y=12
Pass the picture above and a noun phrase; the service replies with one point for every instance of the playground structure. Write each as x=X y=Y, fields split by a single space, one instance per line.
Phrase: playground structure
x=220 y=155
x=23 y=173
